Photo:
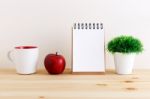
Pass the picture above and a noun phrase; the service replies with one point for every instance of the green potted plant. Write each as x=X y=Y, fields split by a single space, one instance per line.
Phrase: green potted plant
x=124 y=49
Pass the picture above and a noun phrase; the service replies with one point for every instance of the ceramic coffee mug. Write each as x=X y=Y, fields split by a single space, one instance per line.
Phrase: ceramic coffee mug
x=25 y=59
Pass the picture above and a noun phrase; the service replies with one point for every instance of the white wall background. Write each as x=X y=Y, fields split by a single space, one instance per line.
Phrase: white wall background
x=47 y=24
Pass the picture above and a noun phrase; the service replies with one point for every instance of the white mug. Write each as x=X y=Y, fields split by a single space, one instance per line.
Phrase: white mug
x=25 y=59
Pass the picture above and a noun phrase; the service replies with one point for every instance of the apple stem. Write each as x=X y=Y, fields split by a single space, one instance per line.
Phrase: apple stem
x=56 y=53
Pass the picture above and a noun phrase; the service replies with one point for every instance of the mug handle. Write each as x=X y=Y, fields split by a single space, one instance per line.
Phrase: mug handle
x=9 y=55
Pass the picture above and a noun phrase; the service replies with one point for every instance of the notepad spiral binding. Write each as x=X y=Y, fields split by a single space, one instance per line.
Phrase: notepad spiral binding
x=88 y=26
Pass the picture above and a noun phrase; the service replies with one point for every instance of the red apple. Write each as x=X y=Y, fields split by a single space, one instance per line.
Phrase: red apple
x=54 y=63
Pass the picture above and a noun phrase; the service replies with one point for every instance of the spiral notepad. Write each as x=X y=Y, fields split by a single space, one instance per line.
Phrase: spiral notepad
x=88 y=47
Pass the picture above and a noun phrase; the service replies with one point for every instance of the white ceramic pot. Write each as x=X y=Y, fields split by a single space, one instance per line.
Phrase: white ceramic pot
x=124 y=63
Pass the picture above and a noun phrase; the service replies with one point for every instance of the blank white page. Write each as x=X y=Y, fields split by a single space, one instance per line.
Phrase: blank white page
x=88 y=48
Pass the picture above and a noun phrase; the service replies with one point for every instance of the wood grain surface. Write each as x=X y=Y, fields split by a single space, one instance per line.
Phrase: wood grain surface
x=74 y=86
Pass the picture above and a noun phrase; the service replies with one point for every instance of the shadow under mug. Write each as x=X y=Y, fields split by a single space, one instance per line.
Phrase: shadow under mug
x=25 y=59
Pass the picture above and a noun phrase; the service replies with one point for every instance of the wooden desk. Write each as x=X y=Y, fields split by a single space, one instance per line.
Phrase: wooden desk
x=44 y=86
